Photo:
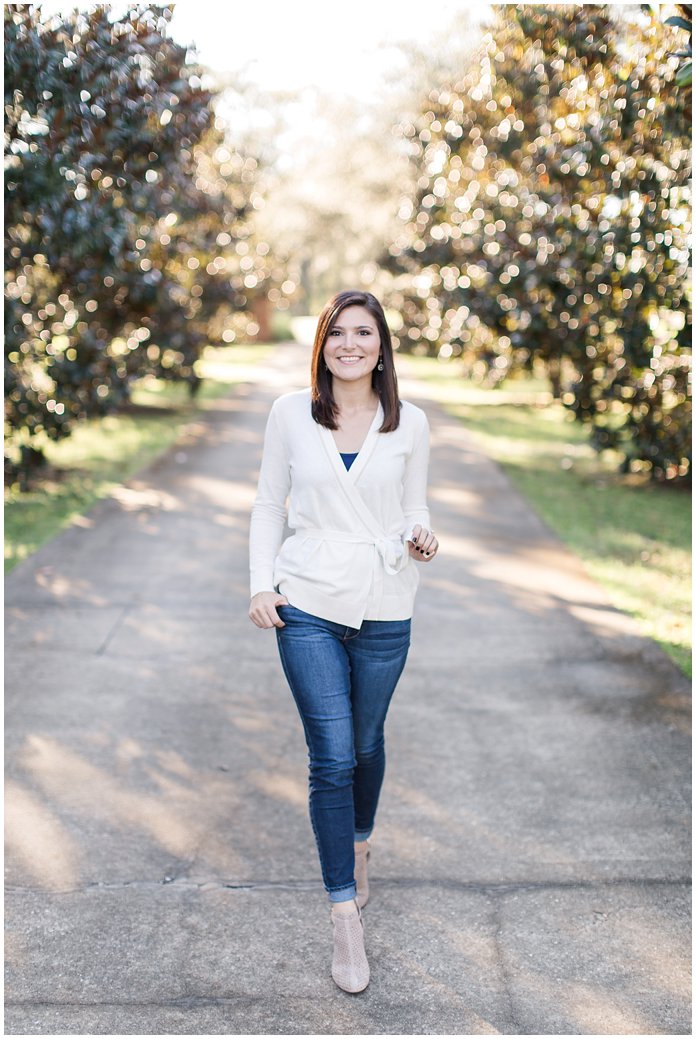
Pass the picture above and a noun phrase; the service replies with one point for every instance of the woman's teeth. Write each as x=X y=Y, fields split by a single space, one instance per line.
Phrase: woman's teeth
x=350 y=360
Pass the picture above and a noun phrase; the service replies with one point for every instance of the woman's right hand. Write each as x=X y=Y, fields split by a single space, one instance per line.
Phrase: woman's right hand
x=263 y=609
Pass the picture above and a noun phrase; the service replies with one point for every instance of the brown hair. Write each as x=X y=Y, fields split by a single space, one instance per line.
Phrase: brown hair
x=384 y=383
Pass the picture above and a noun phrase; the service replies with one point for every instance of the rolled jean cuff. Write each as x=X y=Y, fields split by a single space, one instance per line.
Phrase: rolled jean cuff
x=343 y=894
x=362 y=835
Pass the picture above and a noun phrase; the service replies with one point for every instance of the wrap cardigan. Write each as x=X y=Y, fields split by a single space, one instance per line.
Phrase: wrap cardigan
x=347 y=560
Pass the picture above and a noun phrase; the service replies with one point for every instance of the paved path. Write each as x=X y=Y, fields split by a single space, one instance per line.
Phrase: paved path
x=531 y=859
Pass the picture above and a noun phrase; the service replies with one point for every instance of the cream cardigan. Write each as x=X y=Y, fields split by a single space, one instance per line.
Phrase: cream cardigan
x=348 y=560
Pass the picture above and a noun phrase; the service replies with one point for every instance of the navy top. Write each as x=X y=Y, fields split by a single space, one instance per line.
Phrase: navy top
x=348 y=459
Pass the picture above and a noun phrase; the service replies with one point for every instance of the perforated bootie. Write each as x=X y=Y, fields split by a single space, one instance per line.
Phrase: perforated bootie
x=361 y=859
x=349 y=969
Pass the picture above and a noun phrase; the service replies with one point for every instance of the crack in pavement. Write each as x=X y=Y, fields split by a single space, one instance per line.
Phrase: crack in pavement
x=505 y=976
x=114 y=628
x=502 y=887
x=193 y=1002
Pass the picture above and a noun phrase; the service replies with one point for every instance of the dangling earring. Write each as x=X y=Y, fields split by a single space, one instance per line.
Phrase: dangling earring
x=380 y=366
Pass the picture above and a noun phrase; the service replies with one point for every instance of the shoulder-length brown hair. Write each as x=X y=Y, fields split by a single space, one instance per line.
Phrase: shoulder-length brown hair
x=384 y=383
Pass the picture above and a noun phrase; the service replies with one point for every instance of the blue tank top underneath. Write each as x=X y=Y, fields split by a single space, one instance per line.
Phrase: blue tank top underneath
x=348 y=459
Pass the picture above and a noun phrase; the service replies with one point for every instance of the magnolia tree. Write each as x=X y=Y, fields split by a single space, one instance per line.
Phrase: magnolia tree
x=550 y=222
x=127 y=238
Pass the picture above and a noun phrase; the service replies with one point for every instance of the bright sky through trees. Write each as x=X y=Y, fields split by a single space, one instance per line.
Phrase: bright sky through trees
x=337 y=48
x=344 y=50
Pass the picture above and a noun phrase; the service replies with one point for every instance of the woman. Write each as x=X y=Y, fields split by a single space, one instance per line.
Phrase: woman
x=353 y=460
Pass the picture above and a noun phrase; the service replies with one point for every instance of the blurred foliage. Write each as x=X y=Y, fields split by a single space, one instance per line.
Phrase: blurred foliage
x=684 y=20
x=550 y=222
x=329 y=201
x=128 y=236
x=633 y=534
x=103 y=452
x=333 y=167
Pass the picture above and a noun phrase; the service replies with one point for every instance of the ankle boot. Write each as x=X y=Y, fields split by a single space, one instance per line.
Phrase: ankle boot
x=349 y=969
x=361 y=883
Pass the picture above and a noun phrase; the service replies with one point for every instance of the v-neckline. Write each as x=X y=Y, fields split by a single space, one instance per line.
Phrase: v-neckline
x=361 y=456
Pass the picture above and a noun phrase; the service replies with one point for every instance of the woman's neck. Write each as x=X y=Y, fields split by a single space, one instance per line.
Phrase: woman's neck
x=355 y=398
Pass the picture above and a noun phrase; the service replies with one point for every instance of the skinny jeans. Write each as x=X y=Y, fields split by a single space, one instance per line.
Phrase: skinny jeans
x=342 y=680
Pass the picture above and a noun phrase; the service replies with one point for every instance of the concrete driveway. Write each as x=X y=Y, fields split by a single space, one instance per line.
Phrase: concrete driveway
x=531 y=860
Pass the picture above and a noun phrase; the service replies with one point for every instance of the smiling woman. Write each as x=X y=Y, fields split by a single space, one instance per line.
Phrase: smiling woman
x=351 y=355
x=340 y=591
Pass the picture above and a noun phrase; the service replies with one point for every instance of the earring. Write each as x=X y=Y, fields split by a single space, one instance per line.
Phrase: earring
x=380 y=366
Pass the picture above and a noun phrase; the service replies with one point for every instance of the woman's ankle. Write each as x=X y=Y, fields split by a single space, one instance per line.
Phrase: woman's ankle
x=346 y=907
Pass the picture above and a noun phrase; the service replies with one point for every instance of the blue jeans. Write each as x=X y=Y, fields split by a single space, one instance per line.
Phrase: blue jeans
x=342 y=680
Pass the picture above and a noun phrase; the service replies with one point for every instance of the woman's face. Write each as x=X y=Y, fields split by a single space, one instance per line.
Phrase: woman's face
x=351 y=349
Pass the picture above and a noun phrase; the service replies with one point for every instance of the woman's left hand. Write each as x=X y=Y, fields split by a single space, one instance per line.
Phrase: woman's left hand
x=423 y=544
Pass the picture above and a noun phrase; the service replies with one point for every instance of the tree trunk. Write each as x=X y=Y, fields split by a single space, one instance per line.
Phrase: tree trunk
x=553 y=370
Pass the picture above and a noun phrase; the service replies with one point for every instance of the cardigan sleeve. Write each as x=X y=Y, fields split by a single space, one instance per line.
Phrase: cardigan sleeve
x=269 y=511
x=415 y=504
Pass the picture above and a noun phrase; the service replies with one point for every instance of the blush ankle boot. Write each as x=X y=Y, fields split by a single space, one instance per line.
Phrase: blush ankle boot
x=349 y=969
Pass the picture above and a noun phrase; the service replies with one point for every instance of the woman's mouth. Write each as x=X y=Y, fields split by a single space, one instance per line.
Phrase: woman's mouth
x=350 y=359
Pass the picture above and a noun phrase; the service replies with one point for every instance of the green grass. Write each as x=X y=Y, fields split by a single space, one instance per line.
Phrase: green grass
x=102 y=453
x=634 y=536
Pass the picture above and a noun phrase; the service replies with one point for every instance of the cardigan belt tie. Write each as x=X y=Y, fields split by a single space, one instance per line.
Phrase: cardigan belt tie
x=392 y=551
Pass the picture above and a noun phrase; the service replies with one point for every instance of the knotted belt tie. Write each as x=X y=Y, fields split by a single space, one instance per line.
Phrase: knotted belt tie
x=391 y=550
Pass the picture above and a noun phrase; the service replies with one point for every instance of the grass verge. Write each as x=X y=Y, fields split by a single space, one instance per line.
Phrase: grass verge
x=103 y=452
x=633 y=536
